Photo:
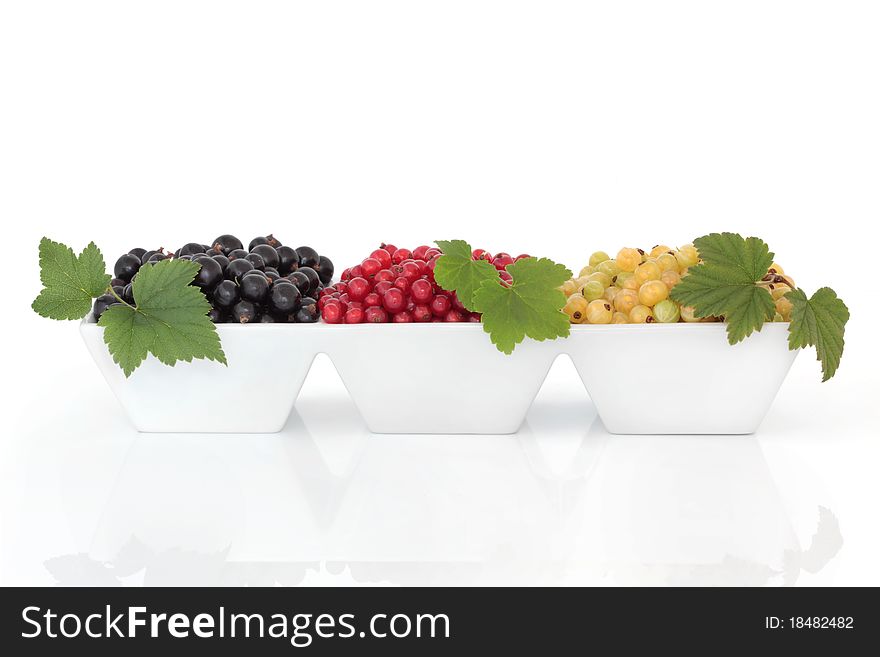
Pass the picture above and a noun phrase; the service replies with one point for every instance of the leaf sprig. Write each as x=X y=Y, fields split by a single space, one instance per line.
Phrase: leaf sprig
x=457 y=271
x=818 y=321
x=70 y=282
x=726 y=283
x=169 y=318
x=530 y=306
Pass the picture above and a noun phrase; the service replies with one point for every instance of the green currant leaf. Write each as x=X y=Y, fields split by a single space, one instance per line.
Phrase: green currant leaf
x=725 y=283
x=169 y=320
x=530 y=306
x=70 y=282
x=819 y=321
x=457 y=271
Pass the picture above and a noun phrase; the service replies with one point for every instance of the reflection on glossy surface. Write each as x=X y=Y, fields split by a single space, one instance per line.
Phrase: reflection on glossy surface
x=326 y=503
x=690 y=510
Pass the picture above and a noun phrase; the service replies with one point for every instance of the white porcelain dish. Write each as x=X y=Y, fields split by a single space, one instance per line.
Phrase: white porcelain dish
x=254 y=393
x=449 y=378
x=437 y=377
x=680 y=378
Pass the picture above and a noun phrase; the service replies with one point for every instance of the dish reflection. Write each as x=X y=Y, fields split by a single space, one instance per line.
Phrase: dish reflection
x=700 y=510
x=326 y=503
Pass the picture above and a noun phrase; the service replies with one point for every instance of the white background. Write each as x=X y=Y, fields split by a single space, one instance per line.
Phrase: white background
x=548 y=127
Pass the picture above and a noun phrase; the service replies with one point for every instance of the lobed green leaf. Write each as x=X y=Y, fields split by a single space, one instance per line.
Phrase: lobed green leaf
x=742 y=259
x=819 y=321
x=725 y=283
x=457 y=270
x=69 y=282
x=169 y=320
x=529 y=307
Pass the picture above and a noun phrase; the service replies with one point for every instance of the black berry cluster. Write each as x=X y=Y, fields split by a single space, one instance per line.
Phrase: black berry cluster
x=267 y=282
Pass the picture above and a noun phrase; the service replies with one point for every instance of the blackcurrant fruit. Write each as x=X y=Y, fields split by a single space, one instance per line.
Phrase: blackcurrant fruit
x=301 y=280
x=138 y=253
x=127 y=295
x=215 y=315
x=191 y=249
x=185 y=257
x=221 y=259
x=271 y=240
x=226 y=243
x=156 y=257
x=325 y=269
x=284 y=298
x=314 y=281
x=147 y=255
x=114 y=282
x=226 y=294
x=256 y=260
x=235 y=254
x=126 y=267
x=210 y=272
x=309 y=301
x=268 y=319
x=257 y=272
x=272 y=274
x=308 y=257
x=307 y=313
x=118 y=289
x=254 y=288
x=244 y=312
x=288 y=260
x=238 y=268
x=102 y=303
x=267 y=253
x=256 y=242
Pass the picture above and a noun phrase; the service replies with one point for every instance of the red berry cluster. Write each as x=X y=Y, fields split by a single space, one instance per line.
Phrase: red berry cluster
x=397 y=285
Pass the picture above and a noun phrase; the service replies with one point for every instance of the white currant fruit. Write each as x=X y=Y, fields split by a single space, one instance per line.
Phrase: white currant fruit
x=604 y=279
x=592 y=290
x=652 y=293
x=647 y=271
x=599 y=312
x=575 y=308
x=667 y=262
x=629 y=259
x=667 y=312
x=659 y=250
x=597 y=257
x=640 y=314
x=631 y=284
x=783 y=307
x=670 y=278
x=608 y=267
x=779 y=290
x=687 y=314
x=626 y=300
x=621 y=278
x=687 y=256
